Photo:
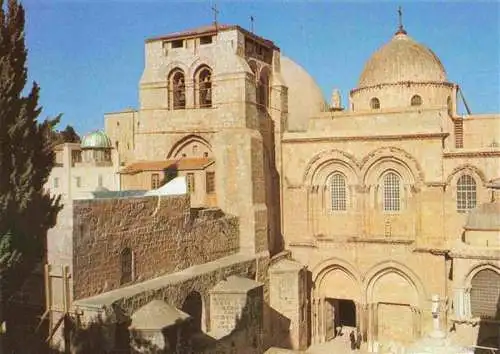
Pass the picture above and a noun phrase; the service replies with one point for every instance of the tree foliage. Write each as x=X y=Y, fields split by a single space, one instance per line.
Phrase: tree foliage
x=68 y=135
x=26 y=156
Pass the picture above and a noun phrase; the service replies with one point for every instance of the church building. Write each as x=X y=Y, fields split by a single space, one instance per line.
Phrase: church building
x=355 y=213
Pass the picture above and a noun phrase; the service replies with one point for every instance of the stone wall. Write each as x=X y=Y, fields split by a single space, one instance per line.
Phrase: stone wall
x=163 y=233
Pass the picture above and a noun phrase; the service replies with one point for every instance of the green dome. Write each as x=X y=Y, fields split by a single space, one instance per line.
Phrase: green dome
x=96 y=140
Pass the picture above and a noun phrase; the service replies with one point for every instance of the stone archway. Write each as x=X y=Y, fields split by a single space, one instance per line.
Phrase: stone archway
x=193 y=306
x=337 y=301
x=393 y=298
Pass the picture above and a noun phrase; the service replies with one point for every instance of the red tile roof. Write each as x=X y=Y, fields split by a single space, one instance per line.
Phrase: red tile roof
x=182 y=164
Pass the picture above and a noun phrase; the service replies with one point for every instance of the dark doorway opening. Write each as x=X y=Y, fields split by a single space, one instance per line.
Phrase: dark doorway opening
x=347 y=313
x=193 y=306
x=343 y=316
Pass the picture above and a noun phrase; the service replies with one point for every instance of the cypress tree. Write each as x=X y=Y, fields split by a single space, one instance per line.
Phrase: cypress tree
x=26 y=159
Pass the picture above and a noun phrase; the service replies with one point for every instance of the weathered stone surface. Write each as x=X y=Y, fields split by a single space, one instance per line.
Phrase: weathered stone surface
x=161 y=232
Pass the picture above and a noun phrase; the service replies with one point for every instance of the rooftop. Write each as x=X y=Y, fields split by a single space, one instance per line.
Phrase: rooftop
x=157 y=315
x=210 y=30
x=182 y=164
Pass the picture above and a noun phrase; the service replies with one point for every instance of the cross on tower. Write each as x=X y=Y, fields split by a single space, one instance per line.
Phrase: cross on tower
x=400 y=17
x=400 y=13
x=216 y=12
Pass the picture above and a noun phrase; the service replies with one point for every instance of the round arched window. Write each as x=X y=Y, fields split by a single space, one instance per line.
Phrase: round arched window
x=416 y=100
x=375 y=103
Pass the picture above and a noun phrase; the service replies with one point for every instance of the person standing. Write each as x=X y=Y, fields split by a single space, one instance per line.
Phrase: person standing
x=352 y=338
x=358 y=339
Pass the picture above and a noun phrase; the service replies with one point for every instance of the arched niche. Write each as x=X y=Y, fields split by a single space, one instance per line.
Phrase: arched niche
x=191 y=146
x=193 y=306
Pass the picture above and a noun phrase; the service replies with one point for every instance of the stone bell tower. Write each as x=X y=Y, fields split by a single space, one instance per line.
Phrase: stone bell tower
x=214 y=85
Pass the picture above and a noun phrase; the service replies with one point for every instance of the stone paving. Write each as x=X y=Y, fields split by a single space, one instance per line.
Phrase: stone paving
x=335 y=346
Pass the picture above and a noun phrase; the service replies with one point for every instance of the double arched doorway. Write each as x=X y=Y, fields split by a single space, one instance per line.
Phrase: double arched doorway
x=383 y=305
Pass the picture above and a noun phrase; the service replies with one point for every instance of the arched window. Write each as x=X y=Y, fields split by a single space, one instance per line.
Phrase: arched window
x=177 y=89
x=466 y=193
x=126 y=266
x=416 y=100
x=485 y=294
x=263 y=90
x=203 y=91
x=338 y=192
x=391 y=191
x=375 y=103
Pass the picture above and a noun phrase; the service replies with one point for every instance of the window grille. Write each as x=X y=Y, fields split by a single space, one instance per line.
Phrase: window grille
x=204 y=88
x=126 y=266
x=177 y=90
x=190 y=182
x=416 y=100
x=210 y=182
x=485 y=292
x=392 y=191
x=375 y=103
x=466 y=193
x=155 y=180
x=338 y=192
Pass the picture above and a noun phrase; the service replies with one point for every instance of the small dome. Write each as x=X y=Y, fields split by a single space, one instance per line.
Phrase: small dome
x=484 y=217
x=402 y=60
x=96 y=140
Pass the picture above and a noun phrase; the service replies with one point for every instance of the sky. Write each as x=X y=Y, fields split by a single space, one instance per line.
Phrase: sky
x=88 y=55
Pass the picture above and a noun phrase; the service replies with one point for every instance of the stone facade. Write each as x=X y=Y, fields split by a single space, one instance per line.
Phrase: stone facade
x=351 y=218
x=163 y=235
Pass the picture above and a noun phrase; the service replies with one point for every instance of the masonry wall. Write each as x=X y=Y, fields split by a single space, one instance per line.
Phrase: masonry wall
x=163 y=233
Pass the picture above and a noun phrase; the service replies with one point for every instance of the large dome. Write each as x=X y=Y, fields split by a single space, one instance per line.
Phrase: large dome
x=402 y=60
x=305 y=98
x=96 y=140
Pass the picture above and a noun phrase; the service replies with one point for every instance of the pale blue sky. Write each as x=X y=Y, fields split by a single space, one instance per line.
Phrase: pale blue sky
x=88 y=55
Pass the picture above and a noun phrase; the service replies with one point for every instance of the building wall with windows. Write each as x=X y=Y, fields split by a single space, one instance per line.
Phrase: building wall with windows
x=376 y=197
x=373 y=198
x=79 y=172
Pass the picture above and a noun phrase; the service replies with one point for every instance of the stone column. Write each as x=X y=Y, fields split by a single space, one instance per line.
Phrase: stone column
x=375 y=323
x=415 y=322
x=467 y=305
x=458 y=303
x=314 y=320
x=369 y=327
x=321 y=317
x=363 y=319
x=190 y=92
x=316 y=210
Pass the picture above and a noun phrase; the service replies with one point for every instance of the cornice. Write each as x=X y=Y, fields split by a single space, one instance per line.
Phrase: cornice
x=467 y=255
x=308 y=244
x=452 y=154
x=160 y=132
x=366 y=137
x=403 y=83
x=384 y=240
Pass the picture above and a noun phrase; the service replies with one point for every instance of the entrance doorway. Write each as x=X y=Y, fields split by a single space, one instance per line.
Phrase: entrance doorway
x=339 y=314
